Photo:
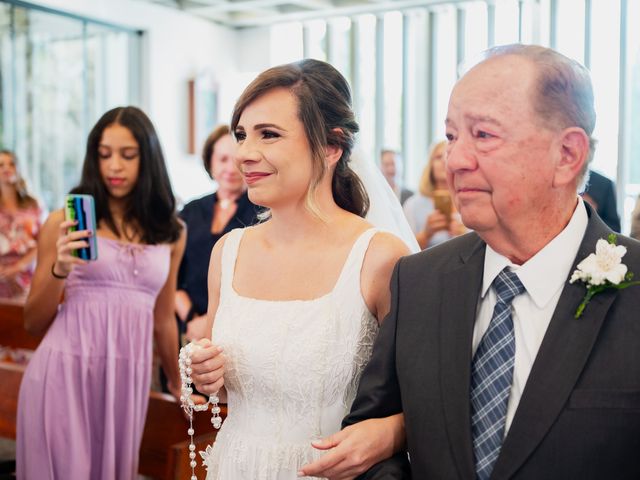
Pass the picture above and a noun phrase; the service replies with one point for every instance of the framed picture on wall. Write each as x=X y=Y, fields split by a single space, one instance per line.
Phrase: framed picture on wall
x=203 y=109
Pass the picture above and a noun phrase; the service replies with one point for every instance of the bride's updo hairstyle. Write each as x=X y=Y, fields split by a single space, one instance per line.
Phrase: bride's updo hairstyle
x=324 y=108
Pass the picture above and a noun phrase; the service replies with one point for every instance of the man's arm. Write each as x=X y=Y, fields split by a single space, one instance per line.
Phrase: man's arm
x=379 y=392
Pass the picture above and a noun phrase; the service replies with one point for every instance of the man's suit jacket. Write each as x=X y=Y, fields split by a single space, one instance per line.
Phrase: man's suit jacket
x=579 y=415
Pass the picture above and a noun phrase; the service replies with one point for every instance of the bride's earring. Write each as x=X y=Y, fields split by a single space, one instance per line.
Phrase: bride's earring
x=184 y=363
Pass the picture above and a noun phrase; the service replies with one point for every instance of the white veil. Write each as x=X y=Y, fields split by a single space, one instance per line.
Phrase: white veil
x=385 y=211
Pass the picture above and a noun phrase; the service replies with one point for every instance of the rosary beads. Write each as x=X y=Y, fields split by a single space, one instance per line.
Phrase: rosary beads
x=184 y=362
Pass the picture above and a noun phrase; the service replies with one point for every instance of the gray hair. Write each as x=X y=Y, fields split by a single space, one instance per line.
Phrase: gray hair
x=564 y=94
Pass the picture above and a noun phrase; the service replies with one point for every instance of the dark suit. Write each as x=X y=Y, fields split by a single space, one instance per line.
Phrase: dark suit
x=603 y=192
x=579 y=415
x=405 y=194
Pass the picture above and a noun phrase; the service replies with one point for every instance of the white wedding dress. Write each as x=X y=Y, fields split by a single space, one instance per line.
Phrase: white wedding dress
x=292 y=371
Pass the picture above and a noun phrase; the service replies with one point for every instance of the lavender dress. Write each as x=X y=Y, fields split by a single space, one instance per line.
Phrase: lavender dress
x=84 y=395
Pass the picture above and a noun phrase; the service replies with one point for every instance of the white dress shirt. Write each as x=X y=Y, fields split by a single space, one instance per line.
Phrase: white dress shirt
x=544 y=276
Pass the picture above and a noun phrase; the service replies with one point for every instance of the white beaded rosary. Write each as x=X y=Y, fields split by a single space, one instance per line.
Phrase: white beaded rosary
x=184 y=362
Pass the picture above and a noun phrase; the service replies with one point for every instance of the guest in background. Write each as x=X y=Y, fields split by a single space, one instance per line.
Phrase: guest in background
x=84 y=395
x=209 y=218
x=635 y=221
x=430 y=212
x=391 y=168
x=600 y=192
x=19 y=227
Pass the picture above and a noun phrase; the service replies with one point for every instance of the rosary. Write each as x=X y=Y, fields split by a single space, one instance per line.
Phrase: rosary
x=184 y=362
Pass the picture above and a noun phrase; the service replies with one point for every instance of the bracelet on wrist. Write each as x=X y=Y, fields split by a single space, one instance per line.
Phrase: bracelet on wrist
x=55 y=275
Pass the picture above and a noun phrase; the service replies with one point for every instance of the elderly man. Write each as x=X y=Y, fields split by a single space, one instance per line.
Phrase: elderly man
x=482 y=350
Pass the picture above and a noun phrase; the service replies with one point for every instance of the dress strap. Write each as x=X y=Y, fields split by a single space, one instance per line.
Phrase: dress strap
x=228 y=261
x=353 y=266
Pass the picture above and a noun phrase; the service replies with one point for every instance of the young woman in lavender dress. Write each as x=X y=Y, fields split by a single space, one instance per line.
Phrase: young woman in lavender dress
x=84 y=395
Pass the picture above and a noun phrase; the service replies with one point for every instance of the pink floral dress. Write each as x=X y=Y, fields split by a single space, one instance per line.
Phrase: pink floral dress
x=18 y=234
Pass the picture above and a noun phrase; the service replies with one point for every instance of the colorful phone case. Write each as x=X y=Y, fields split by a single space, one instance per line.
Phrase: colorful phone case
x=82 y=209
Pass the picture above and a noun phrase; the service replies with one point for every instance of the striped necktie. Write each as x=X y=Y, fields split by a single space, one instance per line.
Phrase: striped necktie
x=492 y=376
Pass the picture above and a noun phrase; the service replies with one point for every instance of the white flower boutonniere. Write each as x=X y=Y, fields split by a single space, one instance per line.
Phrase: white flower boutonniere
x=602 y=270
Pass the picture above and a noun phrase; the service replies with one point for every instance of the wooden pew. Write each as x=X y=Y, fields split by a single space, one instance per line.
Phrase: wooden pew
x=164 y=453
x=165 y=443
x=12 y=332
x=10 y=378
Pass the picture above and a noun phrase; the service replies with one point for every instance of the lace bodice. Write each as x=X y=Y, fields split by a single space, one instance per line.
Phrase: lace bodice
x=292 y=370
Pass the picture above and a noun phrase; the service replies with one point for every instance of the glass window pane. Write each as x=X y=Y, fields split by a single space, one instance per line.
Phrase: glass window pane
x=605 y=64
x=475 y=35
x=544 y=11
x=445 y=66
x=417 y=91
x=506 y=22
x=530 y=23
x=107 y=52
x=393 y=80
x=570 y=41
x=341 y=45
x=58 y=75
x=49 y=96
x=6 y=94
x=315 y=46
x=366 y=88
x=633 y=82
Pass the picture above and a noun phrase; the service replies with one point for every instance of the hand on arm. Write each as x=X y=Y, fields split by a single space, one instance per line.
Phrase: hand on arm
x=357 y=448
x=376 y=436
x=183 y=305
x=54 y=253
x=436 y=222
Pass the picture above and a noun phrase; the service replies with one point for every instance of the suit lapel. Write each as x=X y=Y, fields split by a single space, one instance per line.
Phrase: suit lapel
x=564 y=351
x=461 y=287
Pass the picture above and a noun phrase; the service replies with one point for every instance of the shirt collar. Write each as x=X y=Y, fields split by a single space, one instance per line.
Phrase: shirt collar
x=547 y=271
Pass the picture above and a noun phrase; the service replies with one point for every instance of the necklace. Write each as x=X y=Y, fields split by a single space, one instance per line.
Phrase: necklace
x=225 y=203
x=184 y=362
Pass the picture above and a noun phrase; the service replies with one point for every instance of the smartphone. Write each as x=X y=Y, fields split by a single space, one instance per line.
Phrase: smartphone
x=442 y=202
x=82 y=208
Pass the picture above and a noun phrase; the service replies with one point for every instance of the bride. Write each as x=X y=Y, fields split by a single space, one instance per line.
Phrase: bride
x=295 y=302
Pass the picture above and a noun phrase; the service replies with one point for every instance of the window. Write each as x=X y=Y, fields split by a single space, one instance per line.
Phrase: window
x=420 y=68
x=59 y=74
x=506 y=22
x=605 y=65
x=445 y=67
x=393 y=80
x=570 y=41
x=366 y=87
x=633 y=114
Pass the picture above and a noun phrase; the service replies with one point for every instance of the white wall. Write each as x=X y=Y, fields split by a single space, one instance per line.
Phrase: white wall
x=177 y=46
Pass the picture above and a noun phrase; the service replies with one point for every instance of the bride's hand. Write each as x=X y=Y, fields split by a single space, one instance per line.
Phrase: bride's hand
x=356 y=448
x=207 y=366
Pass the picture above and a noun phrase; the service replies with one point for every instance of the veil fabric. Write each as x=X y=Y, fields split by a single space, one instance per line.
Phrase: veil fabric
x=385 y=211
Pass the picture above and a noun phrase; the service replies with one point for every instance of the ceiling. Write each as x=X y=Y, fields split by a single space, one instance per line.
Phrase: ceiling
x=252 y=13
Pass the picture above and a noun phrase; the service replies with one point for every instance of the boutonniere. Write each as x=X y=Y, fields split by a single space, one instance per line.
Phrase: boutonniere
x=602 y=270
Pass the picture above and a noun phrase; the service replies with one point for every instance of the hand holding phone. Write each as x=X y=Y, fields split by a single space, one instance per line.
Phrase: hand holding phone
x=81 y=208
x=442 y=202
